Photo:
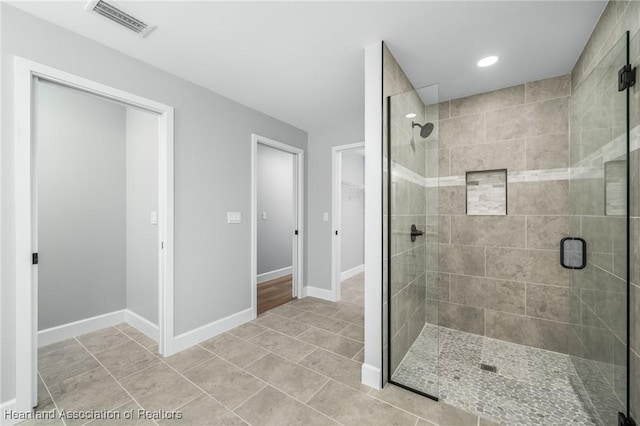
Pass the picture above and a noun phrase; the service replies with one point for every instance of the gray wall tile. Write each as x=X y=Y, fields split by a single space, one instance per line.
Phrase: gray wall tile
x=539 y=198
x=547 y=152
x=528 y=331
x=548 y=302
x=545 y=232
x=498 y=295
x=461 y=317
x=488 y=156
x=536 y=266
x=541 y=118
x=502 y=231
x=498 y=99
x=465 y=260
x=549 y=88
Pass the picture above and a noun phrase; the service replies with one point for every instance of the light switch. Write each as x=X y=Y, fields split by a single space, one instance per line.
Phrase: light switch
x=154 y=218
x=234 y=217
x=264 y=215
x=325 y=216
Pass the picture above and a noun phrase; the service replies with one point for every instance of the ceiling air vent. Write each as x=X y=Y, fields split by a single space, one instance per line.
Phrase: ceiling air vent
x=119 y=16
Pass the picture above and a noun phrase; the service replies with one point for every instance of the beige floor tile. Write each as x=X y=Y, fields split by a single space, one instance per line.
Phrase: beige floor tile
x=139 y=337
x=287 y=310
x=283 y=345
x=103 y=339
x=126 y=359
x=351 y=313
x=359 y=356
x=351 y=407
x=272 y=407
x=436 y=412
x=55 y=346
x=335 y=366
x=487 y=422
x=287 y=376
x=234 y=349
x=332 y=342
x=159 y=387
x=188 y=358
x=248 y=330
x=354 y=332
x=322 y=308
x=281 y=324
x=321 y=321
x=93 y=390
x=128 y=416
x=225 y=382
x=65 y=362
x=204 y=411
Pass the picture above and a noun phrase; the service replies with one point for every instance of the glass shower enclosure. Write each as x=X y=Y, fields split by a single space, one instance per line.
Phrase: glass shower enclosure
x=576 y=367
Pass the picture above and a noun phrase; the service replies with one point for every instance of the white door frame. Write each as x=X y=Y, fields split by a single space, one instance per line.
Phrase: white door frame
x=298 y=243
x=26 y=242
x=336 y=212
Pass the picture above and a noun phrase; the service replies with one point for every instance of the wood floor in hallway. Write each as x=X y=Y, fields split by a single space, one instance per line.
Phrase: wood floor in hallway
x=274 y=293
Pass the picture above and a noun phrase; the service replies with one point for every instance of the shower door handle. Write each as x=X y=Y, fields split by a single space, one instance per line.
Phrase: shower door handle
x=415 y=233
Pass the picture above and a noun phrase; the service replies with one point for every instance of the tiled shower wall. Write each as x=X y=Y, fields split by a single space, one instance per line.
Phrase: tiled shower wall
x=617 y=18
x=499 y=276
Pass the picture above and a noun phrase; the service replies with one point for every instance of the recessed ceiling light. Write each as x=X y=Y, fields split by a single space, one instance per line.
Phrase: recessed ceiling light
x=488 y=61
x=411 y=115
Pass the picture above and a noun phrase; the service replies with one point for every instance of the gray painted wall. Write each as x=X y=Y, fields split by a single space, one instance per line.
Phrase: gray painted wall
x=81 y=205
x=352 y=240
x=319 y=232
x=142 y=199
x=212 y=172
x=276 y=199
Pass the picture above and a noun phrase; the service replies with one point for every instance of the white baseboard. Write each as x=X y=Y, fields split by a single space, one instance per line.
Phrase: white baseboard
x=268 y=276
x=143 y=325
x=8 y=406
x=76 y=328
x=319 y=293
x=200 y=334
x=88 y=325
x=351 y=272
x=371 y=376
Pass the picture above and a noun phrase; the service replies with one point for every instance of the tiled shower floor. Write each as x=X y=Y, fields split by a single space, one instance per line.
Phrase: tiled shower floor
x=531 y=386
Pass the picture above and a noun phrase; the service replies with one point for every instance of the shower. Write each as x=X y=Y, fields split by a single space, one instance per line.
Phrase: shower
x=425 y=129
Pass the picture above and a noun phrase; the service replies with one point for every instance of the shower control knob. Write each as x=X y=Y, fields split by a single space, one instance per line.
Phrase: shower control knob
x=415 y=233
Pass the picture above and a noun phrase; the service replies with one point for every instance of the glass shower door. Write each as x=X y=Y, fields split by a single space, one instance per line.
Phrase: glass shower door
x=412 y=219
x=599 y=199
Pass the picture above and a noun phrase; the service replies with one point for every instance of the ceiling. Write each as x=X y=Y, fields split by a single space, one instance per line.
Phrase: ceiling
x=302 y=61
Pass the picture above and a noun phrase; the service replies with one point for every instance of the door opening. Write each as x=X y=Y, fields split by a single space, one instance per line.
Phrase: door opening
x=347 y=215
x=94 y=210
x=277 y=210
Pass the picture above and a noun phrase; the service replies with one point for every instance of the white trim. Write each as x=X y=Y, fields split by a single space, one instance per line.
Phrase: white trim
x=319 y=293
x=373 y=217
x=205 y=332
x=371 y=376
x=26 y=233
x=268 y=276
x=336 y=213
x=76 y=328
x=345 y=275
x=9 y=405
x=143 y=325
x=298 y=243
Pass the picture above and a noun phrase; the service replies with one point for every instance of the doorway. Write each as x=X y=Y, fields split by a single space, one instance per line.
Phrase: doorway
x=277 y=212
x=89 y=160
x=347 y=217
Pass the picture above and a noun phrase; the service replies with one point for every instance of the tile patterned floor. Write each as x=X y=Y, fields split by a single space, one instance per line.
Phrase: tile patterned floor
x=298 y=364
x=530 y=387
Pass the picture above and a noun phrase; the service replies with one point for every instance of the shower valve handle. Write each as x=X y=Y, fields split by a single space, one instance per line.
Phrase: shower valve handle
x=415 y=233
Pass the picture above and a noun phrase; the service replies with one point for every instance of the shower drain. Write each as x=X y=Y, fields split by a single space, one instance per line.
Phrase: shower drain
x=487 y=367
